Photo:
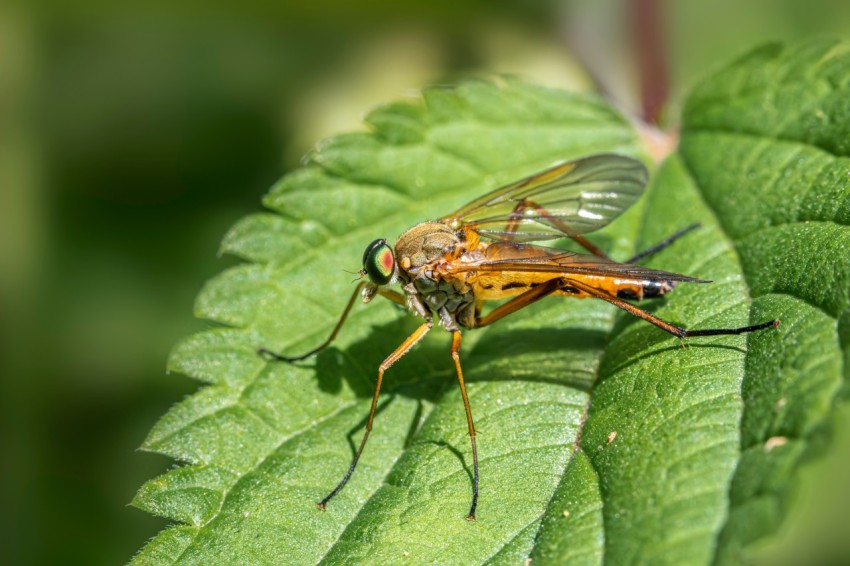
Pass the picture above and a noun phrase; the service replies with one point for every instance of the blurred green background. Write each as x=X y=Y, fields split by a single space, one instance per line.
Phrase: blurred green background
x=133 y=136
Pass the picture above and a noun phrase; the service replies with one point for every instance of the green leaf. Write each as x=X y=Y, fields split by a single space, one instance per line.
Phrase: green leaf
x=600 y=437
x=768 y=140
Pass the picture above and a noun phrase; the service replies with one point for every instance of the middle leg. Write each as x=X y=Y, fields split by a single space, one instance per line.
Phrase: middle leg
x=456 y=357
x=519 y=213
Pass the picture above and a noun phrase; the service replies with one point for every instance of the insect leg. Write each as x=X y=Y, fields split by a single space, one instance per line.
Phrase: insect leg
x=524 y=204
x=589 y=246
x=326 y=343
x=521 y=301
x=663 y=324
x=456 y=357
x=663 y=243
x=641 y=255
x=393 y=296
x=399 y=352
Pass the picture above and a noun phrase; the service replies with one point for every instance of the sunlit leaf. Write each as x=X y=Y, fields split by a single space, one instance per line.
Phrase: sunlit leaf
x=600 y=437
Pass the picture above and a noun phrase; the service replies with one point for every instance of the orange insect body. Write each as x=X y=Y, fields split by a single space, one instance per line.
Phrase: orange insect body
x=454 y=270
x=494 y=285
x=448 y=268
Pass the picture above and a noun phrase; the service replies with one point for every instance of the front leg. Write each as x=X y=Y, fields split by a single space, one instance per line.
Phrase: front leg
x=415 y=302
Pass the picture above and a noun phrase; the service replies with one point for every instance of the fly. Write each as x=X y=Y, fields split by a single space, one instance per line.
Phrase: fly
x=448 y=268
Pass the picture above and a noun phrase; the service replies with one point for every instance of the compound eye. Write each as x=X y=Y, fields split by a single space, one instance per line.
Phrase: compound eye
x=378 y=262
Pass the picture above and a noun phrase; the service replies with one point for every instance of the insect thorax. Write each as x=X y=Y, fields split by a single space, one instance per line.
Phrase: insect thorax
x=418 y=252
x=425 y=243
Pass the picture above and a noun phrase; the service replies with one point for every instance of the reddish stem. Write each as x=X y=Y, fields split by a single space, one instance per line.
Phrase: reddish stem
x=648 y=36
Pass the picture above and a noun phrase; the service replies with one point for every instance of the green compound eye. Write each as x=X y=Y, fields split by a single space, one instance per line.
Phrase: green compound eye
x=379 y=263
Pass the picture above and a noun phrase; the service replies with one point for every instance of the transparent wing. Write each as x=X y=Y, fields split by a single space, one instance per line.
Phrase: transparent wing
x=567 y=200
x=523 y=258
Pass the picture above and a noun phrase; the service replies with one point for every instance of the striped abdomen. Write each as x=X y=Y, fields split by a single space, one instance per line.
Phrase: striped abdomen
x=492 y=286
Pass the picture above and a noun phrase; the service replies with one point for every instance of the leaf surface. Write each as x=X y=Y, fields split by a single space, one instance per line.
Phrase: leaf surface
x=600 y=437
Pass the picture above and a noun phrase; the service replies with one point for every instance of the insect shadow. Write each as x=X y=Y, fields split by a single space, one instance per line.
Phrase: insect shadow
x=427 y=371
x=652 y=342
x=415 y=424
x=457 y=454
x=419 y=375
x=541 y=355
